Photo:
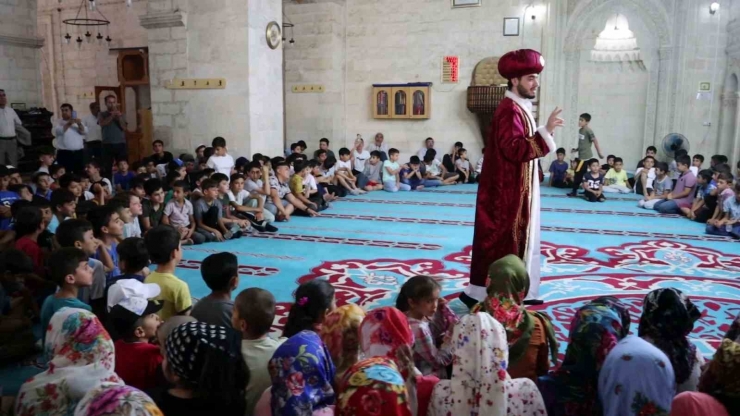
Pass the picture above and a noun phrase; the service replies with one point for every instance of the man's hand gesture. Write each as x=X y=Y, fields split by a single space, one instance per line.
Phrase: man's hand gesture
x=554 y=121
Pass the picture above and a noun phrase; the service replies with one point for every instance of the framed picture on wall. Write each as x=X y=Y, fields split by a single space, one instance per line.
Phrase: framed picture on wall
x=465 y=3
x=18 y=106
x=511 y=26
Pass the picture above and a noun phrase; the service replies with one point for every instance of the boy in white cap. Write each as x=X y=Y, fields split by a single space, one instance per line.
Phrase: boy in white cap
x=133 y=320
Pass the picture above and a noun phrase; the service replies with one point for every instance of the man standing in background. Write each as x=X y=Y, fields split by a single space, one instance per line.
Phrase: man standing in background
x=94 y=134
x=113 y=128
x=8 y=140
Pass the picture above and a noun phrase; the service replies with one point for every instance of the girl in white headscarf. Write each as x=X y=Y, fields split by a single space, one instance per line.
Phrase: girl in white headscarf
x=480 y=384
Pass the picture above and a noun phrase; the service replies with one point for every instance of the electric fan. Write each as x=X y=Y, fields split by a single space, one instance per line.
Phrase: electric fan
x=674 y=142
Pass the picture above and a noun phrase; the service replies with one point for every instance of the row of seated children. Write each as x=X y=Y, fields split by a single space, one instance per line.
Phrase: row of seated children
x=218 y=357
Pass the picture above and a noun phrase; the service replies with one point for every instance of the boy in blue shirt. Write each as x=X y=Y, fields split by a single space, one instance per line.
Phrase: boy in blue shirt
x=411 y=174
x=558 y=169
x=108 y=228
x=71 y=272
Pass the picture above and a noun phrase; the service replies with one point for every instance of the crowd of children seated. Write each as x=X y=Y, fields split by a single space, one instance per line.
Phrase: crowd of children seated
x=93 y=262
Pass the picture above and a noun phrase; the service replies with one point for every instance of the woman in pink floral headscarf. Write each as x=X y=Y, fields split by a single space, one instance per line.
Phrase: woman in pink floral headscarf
x=82 y=359
x=385 y=332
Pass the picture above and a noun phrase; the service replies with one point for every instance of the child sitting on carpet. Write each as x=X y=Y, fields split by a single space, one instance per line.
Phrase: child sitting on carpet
x=153 y=205
x=593 y=182
x=616 y=178
x=411 y=174
x=108 y=228
x=313 y=301
x=724 y=192
x=231 y=221
x=179 y=214
x=253 y=314
x=372 y=172
x=302 y=192
x=558 y=170
x=134 y=322
x=220 y=272
x=645 y=175
x=71 y=272
x=729 y=223
x=431 y=321
x=163 y=245
x=391 y=170
x=706 y=186
x=208 y=213
x=662 y=186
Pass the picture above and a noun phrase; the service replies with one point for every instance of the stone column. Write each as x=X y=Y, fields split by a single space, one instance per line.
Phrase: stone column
x=216 y=39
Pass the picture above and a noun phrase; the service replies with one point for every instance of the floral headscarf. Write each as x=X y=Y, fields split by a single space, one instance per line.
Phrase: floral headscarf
x=636 y=380
x=117 y=400
x=373 y=387
x=302 y=375
x=721 y=377
x=508 y=286
x=340 y=332
x=480 y=384
x=385 y=332
x=594 y=331
x=668 y=317
x=82 y=359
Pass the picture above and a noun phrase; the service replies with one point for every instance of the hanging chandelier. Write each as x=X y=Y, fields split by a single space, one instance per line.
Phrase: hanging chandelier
x=89 y=18
x=616 y=43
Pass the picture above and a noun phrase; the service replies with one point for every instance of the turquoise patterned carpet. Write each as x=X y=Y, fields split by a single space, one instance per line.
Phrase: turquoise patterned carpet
x=367 y=246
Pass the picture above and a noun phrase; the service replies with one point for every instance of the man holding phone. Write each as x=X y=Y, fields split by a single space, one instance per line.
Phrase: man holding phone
x=113 y=127
x=70 y=140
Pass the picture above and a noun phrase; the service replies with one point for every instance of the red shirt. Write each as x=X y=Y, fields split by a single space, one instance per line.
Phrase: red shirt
x=137 y=363
x=32 y=250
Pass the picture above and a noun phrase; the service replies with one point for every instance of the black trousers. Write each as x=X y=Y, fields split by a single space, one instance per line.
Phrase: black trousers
x=111 y=153
x=93 y=150
x=72 y=160
x=580 y=170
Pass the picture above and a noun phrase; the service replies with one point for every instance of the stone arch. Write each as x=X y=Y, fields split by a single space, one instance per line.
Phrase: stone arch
x=661 y=98
x=728 y=117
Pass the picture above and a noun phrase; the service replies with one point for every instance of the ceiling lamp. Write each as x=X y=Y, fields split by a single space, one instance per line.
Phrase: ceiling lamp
x=86 y=17
x=714 y=7
x=616 y=43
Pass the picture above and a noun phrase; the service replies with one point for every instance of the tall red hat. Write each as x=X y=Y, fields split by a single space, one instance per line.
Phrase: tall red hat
x=519 y=63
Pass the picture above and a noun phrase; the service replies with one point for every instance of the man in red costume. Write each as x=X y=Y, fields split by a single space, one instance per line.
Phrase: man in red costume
x=507 y=216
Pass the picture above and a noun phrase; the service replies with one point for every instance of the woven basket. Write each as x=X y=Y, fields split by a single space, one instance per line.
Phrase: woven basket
x=484 y=98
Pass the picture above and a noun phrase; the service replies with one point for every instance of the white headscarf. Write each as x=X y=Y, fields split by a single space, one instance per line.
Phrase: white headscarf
x=82 y=359
x=480 y=384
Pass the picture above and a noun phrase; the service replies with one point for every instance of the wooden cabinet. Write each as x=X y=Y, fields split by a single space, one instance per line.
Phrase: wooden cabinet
x=402 y=101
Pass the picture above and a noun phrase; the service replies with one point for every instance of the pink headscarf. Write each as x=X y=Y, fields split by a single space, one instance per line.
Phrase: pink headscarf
x=690 y=403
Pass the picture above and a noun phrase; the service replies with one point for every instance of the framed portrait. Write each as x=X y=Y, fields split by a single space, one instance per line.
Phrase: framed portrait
x=511 y=26
x=465 y=3
x=18 y=106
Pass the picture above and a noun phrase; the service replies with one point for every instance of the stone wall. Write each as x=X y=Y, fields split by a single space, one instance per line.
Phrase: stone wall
x=19 y=53
x=317 y=58
x=216 y=39
x=71 y=73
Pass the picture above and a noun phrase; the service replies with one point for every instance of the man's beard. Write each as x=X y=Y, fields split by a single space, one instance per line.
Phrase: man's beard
x=523 y=92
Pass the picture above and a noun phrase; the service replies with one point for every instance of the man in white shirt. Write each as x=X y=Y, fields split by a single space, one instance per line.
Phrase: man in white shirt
x=8 y=144
x=380 y=146
x=428 y=144
x=94 y=136
x=70 y=141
